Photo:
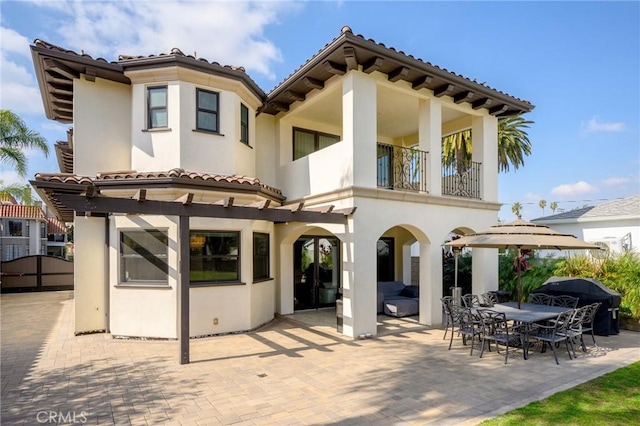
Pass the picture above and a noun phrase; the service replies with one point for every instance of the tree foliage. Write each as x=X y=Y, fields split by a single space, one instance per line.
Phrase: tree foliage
x=15 y=138
x=513 y=145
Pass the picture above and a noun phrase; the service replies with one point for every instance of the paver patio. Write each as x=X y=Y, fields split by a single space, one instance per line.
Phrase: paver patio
x=286 y=373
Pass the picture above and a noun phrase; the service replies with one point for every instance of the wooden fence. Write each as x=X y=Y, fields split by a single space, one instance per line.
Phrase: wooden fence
x=36 y=273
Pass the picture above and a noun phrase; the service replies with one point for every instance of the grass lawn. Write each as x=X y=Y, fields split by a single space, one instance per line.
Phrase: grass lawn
x=613 y=399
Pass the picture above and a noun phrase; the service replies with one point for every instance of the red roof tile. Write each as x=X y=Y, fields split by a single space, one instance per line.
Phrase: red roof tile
x=55 y=226
x=21 y=212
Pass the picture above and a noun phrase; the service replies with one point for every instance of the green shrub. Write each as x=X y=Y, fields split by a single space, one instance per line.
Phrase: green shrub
x=620 y=273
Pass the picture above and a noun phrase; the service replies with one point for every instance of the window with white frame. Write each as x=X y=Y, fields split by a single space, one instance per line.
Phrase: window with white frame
x=157 y=109
x=143 y=256
x=207 y=108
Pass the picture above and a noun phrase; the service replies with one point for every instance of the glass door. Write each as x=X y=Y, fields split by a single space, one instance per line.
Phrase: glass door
x=316 y=263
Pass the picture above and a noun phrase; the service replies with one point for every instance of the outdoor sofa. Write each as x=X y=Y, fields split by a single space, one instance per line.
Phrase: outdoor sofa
x=397 y=299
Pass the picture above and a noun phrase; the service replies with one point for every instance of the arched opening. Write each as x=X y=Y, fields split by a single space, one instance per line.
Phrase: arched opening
x=398 y=272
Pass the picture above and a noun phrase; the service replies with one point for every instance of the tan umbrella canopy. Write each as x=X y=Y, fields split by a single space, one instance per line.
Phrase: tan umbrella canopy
x=521 y=235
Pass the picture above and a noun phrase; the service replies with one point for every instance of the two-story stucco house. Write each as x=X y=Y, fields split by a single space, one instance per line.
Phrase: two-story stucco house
x=199 y=201
x=23 y=230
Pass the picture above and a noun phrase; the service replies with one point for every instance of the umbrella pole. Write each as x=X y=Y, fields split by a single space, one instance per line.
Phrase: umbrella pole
x=518 y=271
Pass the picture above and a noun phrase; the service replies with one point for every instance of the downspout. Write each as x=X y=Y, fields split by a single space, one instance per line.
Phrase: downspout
x=107 y=273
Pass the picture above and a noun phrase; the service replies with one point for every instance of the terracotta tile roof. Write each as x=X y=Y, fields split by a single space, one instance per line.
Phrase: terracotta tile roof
x=55 y=226
x=46 y=45
x=177 y=52
x=348 y=51
x=7 y=199
x=149 y=176
x=18 y=211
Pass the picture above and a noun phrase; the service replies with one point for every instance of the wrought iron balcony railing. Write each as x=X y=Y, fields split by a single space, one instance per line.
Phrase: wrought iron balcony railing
x=462 y=181
x=402 y=168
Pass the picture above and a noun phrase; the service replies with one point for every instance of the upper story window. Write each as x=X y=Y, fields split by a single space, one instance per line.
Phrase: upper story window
x=157 y=107
x=244 y=124
x=15 y=228
x=306 y=141
x=207 y=107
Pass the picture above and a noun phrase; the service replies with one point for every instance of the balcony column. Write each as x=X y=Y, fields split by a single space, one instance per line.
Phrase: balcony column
x=430 y=139
x=359 y=127
x=485 y=151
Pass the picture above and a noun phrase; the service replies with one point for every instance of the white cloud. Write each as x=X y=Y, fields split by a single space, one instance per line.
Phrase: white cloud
x=532 y=197
x=574 y=189
x=19 y=88
x=10 y=177
x=230 y=33
x=616 y=181
x=594 y=125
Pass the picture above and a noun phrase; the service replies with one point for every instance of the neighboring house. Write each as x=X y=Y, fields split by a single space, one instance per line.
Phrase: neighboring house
x=614 y=226
x=200 y=203
x=23 y=230
x=56 y=238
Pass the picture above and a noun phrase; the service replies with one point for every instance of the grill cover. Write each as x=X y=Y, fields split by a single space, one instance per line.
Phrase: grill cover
x=588 y=291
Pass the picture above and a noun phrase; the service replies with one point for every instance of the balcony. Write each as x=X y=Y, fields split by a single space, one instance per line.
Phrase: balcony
x=405 y=169
x=462 y=181
x=402 y=168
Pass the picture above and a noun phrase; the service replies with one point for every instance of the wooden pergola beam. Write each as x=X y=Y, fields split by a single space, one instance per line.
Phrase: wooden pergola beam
x=106 y=205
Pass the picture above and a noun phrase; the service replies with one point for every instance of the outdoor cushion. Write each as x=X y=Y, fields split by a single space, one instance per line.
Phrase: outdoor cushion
x=401 y=307
x=412 y=291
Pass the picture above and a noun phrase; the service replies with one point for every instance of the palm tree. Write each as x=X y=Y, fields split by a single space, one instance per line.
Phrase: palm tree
x=542 y=204
x=21 y=193
x=516 y=208
x=513 y=145
x=15 y=138
x=553 y=207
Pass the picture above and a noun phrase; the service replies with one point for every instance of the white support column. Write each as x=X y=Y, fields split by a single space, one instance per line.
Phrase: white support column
x=484 y=132
x=359 y=126
x=485 y=270
x=359 y=291
x=430 y=139
x=430 y=285
x=90 y=266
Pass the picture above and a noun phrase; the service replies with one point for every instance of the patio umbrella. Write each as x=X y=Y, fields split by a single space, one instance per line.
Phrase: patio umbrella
x=521 y=235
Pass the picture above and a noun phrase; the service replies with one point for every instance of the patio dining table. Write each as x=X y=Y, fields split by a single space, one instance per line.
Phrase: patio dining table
x=528 y=312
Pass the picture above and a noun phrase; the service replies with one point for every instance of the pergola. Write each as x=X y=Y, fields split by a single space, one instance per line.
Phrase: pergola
x=85 y=200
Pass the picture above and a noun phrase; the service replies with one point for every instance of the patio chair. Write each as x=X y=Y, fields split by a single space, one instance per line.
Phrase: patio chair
x=555 y=332
x=450 y=320
x=539 y=299
x=496 y=328
x=488 y=299
x=564 y=301
x=574 y=328
x=471 y=301
x=469 y=325
x=587 y=323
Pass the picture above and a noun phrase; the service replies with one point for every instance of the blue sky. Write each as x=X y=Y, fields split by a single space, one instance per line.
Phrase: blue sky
x=577 y=62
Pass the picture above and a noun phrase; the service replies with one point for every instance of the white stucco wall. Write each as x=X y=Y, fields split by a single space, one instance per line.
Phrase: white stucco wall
x=143 y=310
x=608 y=230
x=181 y=145
x=101 y=124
